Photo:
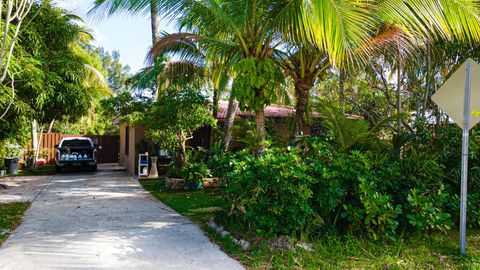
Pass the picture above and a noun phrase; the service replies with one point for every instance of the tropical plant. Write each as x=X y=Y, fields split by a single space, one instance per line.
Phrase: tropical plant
x=426 y=210
x=172 y=119
x=15 y=13
x=195 y=172
x=349 y=133
x=249 y=33
x=270 y=193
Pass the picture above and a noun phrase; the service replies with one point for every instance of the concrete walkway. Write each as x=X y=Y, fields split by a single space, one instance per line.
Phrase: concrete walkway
x=106 y=220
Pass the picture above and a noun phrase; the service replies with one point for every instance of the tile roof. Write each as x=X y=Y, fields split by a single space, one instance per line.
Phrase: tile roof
x=272 y=111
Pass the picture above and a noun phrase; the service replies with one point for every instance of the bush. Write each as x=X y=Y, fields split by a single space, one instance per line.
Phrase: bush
x=270 y=193
x=173 y=171
x=376 y=213
x=426 y=210
x=193 y=173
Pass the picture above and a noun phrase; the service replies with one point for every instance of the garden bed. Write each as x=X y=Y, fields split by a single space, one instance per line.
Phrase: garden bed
x=419 y=251
x=10 y=217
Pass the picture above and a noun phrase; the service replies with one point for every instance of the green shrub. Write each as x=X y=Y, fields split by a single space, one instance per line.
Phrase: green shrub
x=375 y=214
x=422 y=169
x=270 y=193
x=193 y=173
x=427 y=210
x=173 y=171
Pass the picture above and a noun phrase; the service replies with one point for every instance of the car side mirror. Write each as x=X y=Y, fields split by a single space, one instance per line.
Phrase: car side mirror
x=57 y=146
x=99 y=147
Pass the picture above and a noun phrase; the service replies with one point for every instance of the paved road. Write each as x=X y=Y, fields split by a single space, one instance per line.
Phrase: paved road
x=105 y=220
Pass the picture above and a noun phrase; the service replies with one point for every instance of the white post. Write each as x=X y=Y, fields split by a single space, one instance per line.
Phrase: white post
x=463 y=191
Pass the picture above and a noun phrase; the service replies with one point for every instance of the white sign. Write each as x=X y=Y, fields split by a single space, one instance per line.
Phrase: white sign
x=451 y=96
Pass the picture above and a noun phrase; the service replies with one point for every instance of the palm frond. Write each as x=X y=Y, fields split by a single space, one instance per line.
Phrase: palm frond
x=436 y=19
x=104 y=8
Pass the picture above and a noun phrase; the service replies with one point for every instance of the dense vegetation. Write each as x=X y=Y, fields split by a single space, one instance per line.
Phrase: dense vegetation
x=57 y=80
x=384 y=160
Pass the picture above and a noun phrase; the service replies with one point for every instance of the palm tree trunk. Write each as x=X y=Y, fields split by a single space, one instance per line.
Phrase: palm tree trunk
x=341 y=82
x=216 y=94
x=229 y=121
x=261 y=131
x=302 y=90
x=399 y=94
x=155 y=18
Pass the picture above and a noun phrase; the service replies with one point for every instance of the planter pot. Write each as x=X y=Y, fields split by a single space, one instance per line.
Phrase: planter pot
x=214 y=182
x=194 y=186
x=153 y=170
x=12 y=165
x=175 y=183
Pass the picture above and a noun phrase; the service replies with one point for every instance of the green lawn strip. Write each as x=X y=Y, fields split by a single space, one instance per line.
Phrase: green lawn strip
x=10 y=217
x=43 y=170
x=423 y=251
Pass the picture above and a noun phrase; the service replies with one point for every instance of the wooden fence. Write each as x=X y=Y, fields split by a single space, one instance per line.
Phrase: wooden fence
x=108 y=154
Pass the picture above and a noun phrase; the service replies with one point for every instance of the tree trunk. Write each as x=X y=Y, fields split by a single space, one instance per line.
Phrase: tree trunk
x=302 y=90
x=341 y=85
x=229 y=121
x=399 y=94
x=216 y=96
x=261 y=131
x=35 y=143
x=181 y=155
x=50 y=127
x=33 y=125
x=155 y=20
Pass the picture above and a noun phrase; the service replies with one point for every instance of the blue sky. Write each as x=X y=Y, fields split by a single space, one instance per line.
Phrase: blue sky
x=130 y=35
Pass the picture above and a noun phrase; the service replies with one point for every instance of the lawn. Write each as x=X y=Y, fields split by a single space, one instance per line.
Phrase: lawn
x=10 y=217
x=41 y=170
x=426 y=251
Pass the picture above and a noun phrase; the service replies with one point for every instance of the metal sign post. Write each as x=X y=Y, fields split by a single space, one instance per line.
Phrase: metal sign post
x=457 y=99
x=466 y=130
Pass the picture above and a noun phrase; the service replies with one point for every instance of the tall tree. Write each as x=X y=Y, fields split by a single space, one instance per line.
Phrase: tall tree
x=58 y=76
x=251 y=31
x=11 y=22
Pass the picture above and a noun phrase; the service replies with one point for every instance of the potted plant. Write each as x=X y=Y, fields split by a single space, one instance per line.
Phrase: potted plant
x=174 y=178
x=194 y=173
x=13 y=153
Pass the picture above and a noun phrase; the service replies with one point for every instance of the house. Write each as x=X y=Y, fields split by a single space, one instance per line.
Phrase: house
x=131 y=136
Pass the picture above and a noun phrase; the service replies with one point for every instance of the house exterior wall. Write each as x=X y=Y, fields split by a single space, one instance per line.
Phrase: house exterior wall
x=135 y=135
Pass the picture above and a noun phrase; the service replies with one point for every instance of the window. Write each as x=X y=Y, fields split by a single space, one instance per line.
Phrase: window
x=76 y=143
x=127 y=140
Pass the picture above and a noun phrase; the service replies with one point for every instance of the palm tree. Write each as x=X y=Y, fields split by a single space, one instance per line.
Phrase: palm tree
x=251 y=32
x=304 y=65
x=103 y=8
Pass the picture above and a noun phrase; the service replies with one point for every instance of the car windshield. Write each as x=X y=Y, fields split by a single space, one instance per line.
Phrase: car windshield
x=76 y=143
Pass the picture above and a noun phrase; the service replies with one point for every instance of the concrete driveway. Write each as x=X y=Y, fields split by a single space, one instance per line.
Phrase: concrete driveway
x=105 y=220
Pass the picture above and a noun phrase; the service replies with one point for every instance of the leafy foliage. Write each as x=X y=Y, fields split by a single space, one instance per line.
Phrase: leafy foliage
x=427 y=210
x=271 y=192
x=256 y=82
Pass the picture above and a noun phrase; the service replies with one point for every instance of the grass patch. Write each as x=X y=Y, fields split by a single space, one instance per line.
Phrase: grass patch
x=199 y=206
x=422 y=251
x=42 y=170
x=10 y=217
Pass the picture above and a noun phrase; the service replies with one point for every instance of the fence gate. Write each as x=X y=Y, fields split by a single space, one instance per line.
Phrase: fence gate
x=108 y=154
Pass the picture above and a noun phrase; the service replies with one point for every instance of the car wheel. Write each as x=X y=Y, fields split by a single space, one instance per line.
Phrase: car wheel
x=93 y=168
x=58 y=169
